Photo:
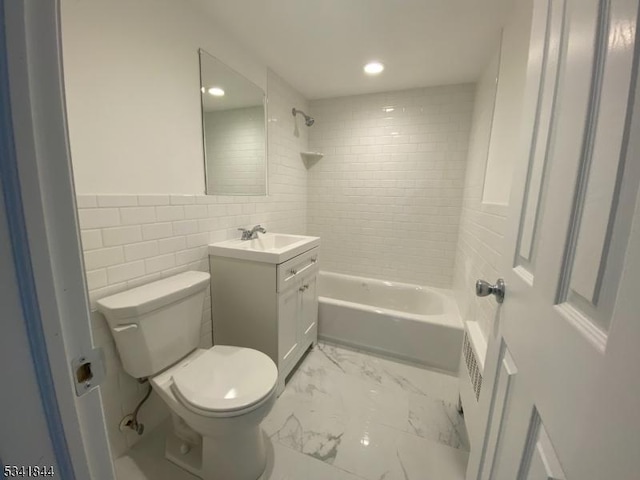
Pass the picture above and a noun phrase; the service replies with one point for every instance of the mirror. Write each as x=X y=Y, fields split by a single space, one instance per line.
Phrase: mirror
x=234 y=130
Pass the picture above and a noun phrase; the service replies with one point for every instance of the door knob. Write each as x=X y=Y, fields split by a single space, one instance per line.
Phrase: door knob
x=485 y=288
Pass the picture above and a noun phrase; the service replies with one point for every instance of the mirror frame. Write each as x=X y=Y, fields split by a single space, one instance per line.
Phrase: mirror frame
x=265 y=105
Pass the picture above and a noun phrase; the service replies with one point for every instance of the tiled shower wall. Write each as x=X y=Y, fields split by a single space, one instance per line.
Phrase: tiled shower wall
x=386 y=197
x=130 y=240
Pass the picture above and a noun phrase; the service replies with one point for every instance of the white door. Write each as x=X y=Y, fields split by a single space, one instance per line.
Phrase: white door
x=562 y=381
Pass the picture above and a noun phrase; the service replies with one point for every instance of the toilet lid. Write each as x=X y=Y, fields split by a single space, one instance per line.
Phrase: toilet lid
x=226 y=378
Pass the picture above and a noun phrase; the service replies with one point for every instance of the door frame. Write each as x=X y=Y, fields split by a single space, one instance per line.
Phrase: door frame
x=43 y=227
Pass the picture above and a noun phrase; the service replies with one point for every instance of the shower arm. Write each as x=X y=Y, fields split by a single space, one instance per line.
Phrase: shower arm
x=307 y=118
x=295 y=111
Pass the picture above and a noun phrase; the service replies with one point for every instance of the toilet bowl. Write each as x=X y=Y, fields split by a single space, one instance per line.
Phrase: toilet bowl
x=222 y=394
x=217 y=396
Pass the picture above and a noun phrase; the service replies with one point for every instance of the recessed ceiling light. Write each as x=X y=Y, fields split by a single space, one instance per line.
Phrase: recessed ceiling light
x=216 y=91
x=373 y=68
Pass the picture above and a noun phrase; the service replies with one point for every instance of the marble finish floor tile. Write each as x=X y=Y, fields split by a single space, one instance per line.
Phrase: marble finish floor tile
x=388 y=373
x=437 y=420
x=286 y=464
x=371 y=416
x=373 y=452
x=334 y=390
x=346 y=415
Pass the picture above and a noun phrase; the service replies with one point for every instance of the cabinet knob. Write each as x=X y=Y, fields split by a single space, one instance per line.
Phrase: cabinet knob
x=293 y=271
x=301 y=289
x=314 y=259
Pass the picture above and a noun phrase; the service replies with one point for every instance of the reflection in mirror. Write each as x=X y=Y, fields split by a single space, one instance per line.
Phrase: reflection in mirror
x=233 y=124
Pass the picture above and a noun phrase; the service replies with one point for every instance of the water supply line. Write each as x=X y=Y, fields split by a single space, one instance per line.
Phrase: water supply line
x=131 y=420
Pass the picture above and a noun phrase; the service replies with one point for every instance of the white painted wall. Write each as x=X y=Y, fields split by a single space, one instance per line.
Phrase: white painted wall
x=479 y=248
x=504 y=138
x=133 y=99
x=236 y=154
x=386 y=196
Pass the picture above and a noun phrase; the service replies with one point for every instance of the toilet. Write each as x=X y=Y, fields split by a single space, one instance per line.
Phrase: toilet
x=217 y=396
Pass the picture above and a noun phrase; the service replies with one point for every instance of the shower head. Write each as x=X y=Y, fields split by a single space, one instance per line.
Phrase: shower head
x=308 y=121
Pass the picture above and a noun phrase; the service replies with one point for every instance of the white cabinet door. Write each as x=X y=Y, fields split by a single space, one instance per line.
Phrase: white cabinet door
x=309 y=313
x=561 y=392
x=288 y=321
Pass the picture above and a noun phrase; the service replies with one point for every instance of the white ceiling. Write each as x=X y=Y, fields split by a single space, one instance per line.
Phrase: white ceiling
x=239 y=91
x=321 y=46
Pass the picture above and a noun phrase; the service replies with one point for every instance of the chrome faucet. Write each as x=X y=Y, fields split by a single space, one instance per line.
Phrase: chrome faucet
x=251 y=234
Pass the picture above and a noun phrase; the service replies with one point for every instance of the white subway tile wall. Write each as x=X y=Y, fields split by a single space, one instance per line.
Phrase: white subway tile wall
x=235 y=151
x=386 y=197
x=481 y=234
x=131 y=240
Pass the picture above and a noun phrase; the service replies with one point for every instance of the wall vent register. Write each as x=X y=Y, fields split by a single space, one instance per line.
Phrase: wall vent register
x=472 y=366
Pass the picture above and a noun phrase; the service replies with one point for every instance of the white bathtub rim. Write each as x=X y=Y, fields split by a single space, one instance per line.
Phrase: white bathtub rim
x=450 y=318
x=388 y=283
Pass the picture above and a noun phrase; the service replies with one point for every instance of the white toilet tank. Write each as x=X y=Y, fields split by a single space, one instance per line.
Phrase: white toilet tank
x=157 y=324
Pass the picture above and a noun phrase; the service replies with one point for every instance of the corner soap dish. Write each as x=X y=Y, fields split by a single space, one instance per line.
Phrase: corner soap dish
x=310 y=158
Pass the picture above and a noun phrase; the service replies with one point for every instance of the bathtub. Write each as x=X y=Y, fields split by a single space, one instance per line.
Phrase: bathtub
x=418 y=324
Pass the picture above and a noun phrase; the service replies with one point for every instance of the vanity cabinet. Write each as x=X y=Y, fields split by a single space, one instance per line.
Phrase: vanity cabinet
x=298 y=319
x=269 y=307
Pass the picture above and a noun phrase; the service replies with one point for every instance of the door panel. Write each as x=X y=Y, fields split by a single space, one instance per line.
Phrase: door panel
x=584 y=285
x=555 y=366
x=504 y=382
x=601 y=162
x=543 y=77
x=539 y=461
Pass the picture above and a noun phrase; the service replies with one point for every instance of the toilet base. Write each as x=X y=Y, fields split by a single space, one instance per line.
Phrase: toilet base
x=191 y=461
x=241 y=456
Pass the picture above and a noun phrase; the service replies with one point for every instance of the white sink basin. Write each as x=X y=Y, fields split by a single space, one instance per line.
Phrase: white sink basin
x=268 y=247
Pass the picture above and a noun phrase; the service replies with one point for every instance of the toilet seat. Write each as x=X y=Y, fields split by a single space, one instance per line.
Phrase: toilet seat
x=225 y=381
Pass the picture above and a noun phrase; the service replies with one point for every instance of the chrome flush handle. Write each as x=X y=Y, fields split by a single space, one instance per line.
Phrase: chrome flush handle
x=484 y=289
